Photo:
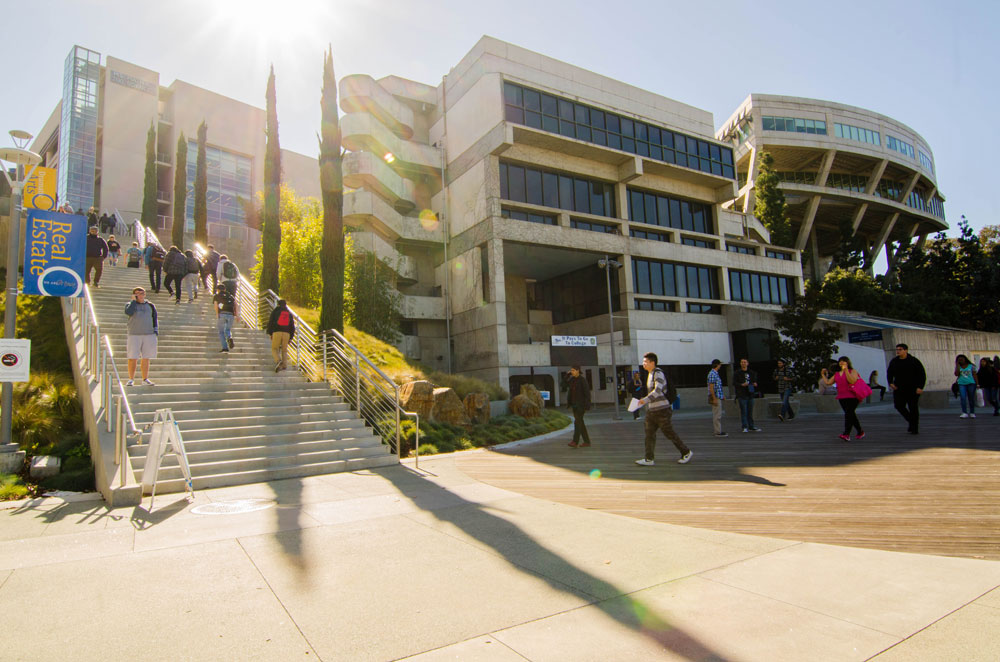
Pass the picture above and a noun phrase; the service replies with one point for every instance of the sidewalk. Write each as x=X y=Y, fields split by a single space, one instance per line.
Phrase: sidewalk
x=394 y=562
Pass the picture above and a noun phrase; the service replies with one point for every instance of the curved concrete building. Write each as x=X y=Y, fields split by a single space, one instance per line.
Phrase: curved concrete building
x=843 y=170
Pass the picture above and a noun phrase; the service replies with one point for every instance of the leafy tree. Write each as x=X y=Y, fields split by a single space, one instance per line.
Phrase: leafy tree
x=769 y=206
x=808 y=345
x=299 y=255
x=331 y=178
x=851 y=251
x=271 y=226
x=149 y=180
x=371 y=301
x=180 y=194
x=201 y=188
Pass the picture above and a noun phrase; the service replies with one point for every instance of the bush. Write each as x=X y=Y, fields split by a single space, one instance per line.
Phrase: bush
x=11 y=487
x=445 y=438
x=465 y=385
x=48 y=419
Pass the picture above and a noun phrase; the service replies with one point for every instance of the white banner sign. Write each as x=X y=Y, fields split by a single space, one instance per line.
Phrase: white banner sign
x=15 y=359
x=574 y=341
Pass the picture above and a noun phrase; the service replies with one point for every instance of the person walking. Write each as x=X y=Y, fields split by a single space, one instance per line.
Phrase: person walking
x=638 y=392
x=783 y=378
x=228 y=274
x=906 y=378
x=175 y=266
x=154 y=256
x=715 y=398
x=134 y=259
x=92 y=220
x=746 y=391
x=192 y=276
x=141 y=335
x=114 y=250
x=873 y=382
x=106 y=223
x=211 y=265
x=968 y=381
x=578 y=399
x=97 y=250
x=659 y=412
x=281 y=328
x=989 y=382
x=226 y=310
x=845 y=377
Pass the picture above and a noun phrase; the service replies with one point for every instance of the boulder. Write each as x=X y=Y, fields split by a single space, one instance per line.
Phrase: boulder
x=448 y=408
x=418 y=397
x=477 y=407
x=531 y=392
x=524 y=406
x=44 y=466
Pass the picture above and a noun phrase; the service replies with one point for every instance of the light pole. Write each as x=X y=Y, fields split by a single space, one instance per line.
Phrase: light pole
x=20 y=158
x=607 y=264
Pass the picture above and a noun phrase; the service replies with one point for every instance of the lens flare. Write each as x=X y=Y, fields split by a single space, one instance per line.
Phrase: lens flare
x=389 y=157
x=595 y=474
x=428 y=220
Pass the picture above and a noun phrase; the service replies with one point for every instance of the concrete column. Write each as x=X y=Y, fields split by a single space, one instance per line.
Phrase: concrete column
x=884 y=234
x=876 y=176
x=825 y=166
x=859 y=215
x=621 y=203
x=748 y=198
x=806 y=229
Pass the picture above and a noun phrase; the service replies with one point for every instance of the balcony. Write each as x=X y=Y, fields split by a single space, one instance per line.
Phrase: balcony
x=363 y=133
x=404 y=265
x=361 y=94
x=364 y=170
x=421 y=308
x=365 y=209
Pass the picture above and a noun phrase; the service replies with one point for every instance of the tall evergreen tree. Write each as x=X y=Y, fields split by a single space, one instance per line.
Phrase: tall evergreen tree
x=180 y=194
x=271 y=225
x=770 y=207
x=201 y=189
x=331 y=181
x=149 y=180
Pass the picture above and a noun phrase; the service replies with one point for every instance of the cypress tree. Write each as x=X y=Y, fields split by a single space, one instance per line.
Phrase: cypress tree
x=201 y=189
x=180 y=194
x=770 y=207
x=331 y=180
x=271 y=223
x=149 y=180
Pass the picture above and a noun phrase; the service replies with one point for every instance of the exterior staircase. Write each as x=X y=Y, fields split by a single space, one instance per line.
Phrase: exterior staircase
x=241 y=422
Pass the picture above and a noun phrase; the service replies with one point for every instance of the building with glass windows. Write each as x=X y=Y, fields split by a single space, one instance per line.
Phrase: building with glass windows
x=96 y=137
x=500 y=192
x=845 y=172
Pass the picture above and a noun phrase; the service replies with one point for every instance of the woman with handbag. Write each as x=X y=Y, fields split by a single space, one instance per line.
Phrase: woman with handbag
x=967 y=384
x=848 y=380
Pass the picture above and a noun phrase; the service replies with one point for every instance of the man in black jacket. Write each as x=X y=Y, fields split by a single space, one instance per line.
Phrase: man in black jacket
x=578 y=399
x=906 y=377
x=97 y=250
x=175 y=265
x=281 y=328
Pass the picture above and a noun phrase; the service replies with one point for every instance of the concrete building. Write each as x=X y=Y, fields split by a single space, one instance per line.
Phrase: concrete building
x=844 y=170
x=96 y=137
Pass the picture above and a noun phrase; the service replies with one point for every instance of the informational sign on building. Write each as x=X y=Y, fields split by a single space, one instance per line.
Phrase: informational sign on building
x=15 y=359
x=574 y=341
x=55 y=248
x=864 y=336
x=573 y=350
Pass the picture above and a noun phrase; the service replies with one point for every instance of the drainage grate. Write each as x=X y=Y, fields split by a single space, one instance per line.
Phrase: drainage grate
x=234 y=507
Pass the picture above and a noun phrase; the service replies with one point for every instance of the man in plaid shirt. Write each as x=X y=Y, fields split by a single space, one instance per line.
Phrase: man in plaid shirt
x=715 y=397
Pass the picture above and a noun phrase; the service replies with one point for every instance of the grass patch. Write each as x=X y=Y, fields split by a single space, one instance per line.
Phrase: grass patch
x=444 y=438
x=12 y=488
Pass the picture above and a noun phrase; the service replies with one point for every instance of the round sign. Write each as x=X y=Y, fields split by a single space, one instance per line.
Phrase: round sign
x=60 y=282
x=10 y=359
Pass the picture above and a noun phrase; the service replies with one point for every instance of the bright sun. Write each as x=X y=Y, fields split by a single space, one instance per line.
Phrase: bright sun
x=263 y=23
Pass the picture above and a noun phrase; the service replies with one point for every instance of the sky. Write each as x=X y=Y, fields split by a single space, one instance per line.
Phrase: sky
x=931 y=65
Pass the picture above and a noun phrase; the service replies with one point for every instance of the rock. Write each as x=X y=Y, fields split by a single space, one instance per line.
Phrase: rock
x=524 y=406
x=418 y=397
x=44 y=466
x=533 y=393
x=477 y=407
x=11 y=461
x=448 y=408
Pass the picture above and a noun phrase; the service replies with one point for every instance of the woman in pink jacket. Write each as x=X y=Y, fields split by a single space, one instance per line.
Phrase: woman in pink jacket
x=844 y=377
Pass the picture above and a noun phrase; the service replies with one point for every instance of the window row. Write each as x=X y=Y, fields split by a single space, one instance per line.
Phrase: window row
x=594 y=227
x=551 y=189
x=926 y=162
x=797 y=177
x=674 y=280
x=577 y=295
x=668 y=212
x=671 y=307
x=699 y=243
x=857 y=133
x=575 y=120
x=900 y=146
x=745 y=250
x=856 y=183
x=544 y=219
x=752 y=287
x=654 y=236
x=777 y=255
x=794 y=124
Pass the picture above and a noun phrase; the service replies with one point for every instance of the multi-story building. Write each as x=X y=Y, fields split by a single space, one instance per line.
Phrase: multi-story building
x=96 y=137
x=844 y=171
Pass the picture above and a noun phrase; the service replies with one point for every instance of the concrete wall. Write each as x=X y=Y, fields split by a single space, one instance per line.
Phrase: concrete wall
x=301 y=172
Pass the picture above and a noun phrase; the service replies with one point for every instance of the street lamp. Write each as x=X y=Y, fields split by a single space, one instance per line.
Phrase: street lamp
x=607 y=264
x=21 y=158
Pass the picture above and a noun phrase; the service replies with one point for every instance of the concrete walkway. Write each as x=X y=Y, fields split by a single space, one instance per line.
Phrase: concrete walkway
x=390 y=563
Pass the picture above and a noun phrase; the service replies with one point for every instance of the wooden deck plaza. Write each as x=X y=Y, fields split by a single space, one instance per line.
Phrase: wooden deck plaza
x=934 y=493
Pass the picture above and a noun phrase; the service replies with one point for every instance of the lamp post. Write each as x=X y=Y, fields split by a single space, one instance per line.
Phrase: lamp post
x=20 y=158
x=607 y=264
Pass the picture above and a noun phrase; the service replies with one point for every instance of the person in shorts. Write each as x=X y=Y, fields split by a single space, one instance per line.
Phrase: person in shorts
x=142 y=332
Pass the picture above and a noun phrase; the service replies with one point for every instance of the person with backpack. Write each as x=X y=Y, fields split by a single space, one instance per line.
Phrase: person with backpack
x=114 y=250
x=226 y=310
x=192 y=276
x=228 y=274
x=659 y=412
x=281 y=328
x=578 y=399
x=134 y=256
x=175 y=265
x=211 y=266
x=154 y=256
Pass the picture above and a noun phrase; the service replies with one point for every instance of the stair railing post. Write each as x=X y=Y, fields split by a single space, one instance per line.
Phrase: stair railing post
x=399 y=447
x=323 y=340
x=357 y=383
x=118 y=429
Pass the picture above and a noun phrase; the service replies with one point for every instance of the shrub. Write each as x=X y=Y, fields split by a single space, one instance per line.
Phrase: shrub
x=445 y=438
x=11 y=487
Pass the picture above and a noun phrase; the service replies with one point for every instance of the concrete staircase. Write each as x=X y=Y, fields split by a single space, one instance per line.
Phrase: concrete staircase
x=241 y=421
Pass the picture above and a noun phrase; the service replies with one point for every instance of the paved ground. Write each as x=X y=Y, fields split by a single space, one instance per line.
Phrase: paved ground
x=391 y=563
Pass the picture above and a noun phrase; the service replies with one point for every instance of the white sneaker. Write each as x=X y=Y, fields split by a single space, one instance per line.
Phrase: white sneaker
x=964 y=415
x=645 y=463
x=746 y=429
x=148 y=382
x=685 y=458
x=972 y=415
x=130 y=382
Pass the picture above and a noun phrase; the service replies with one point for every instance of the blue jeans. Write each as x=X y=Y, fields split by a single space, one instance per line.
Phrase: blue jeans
x=786 y=407
x=991 y=392
x=967 y=392
x=746 y=413
x=225 y=326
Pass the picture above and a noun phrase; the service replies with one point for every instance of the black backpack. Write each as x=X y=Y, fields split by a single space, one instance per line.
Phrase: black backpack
x=157 y=254
x=229 y=271
x=671 y=390
x=193 y=265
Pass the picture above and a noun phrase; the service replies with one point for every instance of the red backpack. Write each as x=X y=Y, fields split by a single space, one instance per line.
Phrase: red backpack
x=284 y=318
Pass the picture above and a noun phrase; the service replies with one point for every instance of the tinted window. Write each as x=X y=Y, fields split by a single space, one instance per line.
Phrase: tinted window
x=533 y=186
x=515 y=183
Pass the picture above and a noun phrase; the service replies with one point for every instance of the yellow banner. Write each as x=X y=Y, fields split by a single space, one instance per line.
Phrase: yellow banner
x=40 y=190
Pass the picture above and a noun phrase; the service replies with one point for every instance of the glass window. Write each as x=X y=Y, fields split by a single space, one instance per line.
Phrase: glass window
x=515 y=183
x=613 y=124
x=504 y=193
x=512 y=94
x=680 y=280
x=597 y=199
x=533 y=186
x=628 y=128
x=582 y=114
x=669 y=282
x=550 y=106
x=581 y=196
x=734 y=286
x=565 y=192
x=641 y=276
x=650 y=207
x=533 y=119
x=565 y=110
x=532 y=100
x=550 y=189
x=597 y=118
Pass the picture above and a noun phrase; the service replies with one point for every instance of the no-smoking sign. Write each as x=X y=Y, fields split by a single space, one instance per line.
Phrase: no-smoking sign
x=15 y=360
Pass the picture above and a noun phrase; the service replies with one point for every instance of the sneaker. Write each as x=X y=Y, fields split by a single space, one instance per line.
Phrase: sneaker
x=231 y=343
x=964 y=415
x=756 y=430
x=283 y=365
x=277 y=366
x=130 y=382
x=721 y=434
x=148 y=382
x=585 y=444
x=572 y=444
x=685 y=458
x=645 y=463
x=845 y=437
x=972 y=415
x=177 y=300
x=781 y=418
x=224 y=349
x=861 y=435
x=190 y=300
x=746 y=429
